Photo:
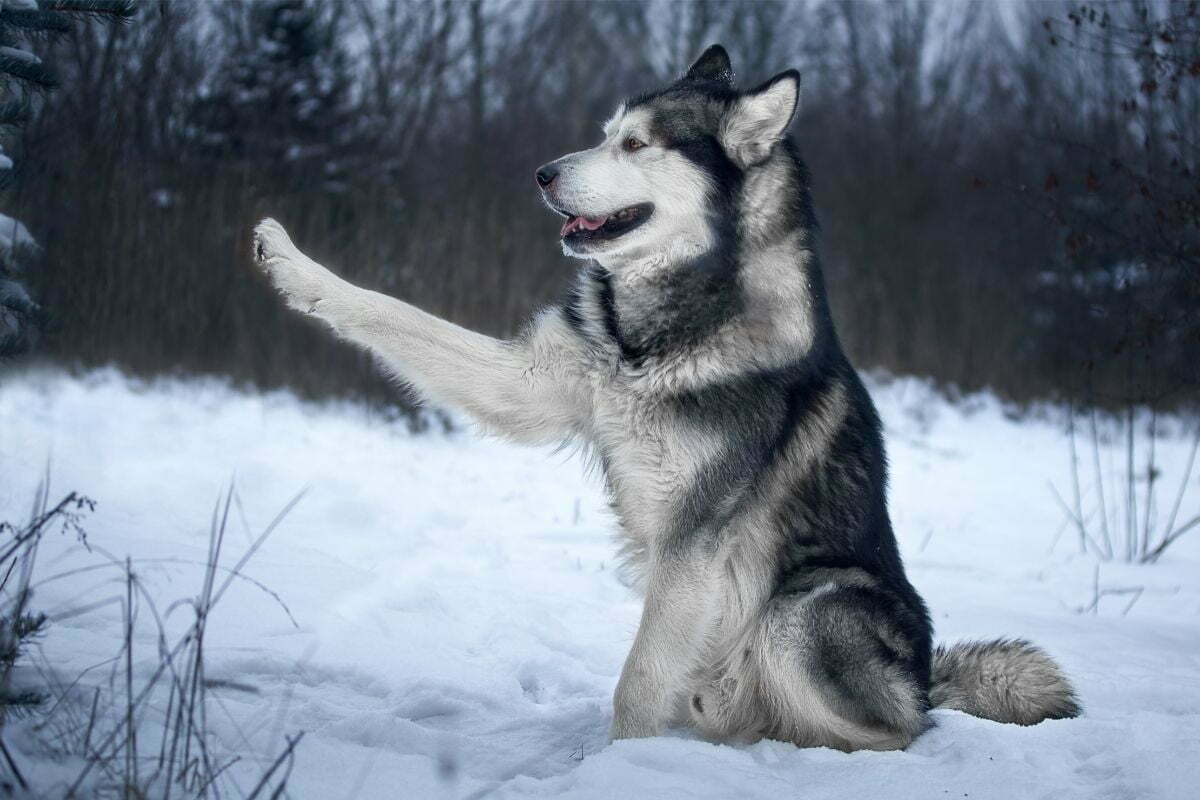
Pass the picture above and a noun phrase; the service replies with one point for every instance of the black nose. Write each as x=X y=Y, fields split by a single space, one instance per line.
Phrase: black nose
x=546 y=175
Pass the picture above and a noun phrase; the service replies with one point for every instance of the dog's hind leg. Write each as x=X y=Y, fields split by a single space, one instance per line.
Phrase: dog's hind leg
x=821 y=669
x=531 y=389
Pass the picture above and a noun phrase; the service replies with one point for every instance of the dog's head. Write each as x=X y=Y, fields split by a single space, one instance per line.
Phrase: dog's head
x=670 y=164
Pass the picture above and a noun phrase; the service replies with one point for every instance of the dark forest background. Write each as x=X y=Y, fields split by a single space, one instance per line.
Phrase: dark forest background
x=1008 y=192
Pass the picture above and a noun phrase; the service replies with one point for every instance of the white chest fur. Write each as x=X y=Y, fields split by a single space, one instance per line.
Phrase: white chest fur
x=652 y=457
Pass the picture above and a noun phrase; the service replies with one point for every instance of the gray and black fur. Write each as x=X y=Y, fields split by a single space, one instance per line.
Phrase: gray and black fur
x=840 y=608
x=696 y=357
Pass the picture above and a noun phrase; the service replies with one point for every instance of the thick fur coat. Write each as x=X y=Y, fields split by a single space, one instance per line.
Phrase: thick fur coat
x=696 y=358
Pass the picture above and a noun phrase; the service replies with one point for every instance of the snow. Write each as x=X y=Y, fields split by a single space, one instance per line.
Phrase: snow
x=18 y=54
x=14 y=236
x=461 y=625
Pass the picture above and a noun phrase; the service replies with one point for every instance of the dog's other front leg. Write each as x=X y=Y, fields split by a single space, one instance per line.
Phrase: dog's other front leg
x=531 y=389
x=675 y=617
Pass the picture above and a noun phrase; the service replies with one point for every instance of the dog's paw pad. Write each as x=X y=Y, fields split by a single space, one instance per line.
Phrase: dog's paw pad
x=271 y=241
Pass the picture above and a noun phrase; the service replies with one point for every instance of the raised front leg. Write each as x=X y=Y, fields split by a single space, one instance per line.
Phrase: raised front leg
x=679 y=609
x=532 y=389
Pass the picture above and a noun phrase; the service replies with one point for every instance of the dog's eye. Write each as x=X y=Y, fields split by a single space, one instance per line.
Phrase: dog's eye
x=632 y=144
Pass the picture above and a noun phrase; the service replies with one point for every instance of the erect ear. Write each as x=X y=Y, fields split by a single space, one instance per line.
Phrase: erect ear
x=712 y=65
x=760 y=117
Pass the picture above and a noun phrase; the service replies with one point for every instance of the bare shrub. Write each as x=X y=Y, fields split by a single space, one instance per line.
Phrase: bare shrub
x=136 y=737
x=1130 y=512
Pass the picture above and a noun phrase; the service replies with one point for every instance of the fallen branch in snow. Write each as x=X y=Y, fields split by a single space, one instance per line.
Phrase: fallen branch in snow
x=1098 y=593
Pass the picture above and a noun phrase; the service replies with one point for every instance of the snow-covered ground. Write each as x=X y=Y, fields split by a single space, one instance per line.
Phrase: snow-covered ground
x=460 y=625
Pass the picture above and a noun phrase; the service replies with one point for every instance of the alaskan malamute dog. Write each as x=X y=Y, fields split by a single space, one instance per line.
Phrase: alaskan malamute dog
x=696 y=358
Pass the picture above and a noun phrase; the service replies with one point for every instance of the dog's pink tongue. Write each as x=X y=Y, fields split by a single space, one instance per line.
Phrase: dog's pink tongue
x=588 y=223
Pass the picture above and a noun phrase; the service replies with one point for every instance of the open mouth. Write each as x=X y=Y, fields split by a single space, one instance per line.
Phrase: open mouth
x=579 y=228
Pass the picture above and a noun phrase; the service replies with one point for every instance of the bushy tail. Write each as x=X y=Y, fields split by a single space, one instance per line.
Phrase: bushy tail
x=1006 y=680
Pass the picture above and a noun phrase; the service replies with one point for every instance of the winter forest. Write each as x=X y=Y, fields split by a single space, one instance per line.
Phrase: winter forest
x=1007 y=192
x=1008 y=196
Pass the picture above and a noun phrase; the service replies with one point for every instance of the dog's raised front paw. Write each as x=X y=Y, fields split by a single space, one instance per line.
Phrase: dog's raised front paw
x=302 y=282
x=271 y=242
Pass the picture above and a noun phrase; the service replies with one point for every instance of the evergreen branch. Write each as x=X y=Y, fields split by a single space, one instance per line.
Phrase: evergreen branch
x=37 y=21
x=29 y=72
x=116 y=10
x=15 y=112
